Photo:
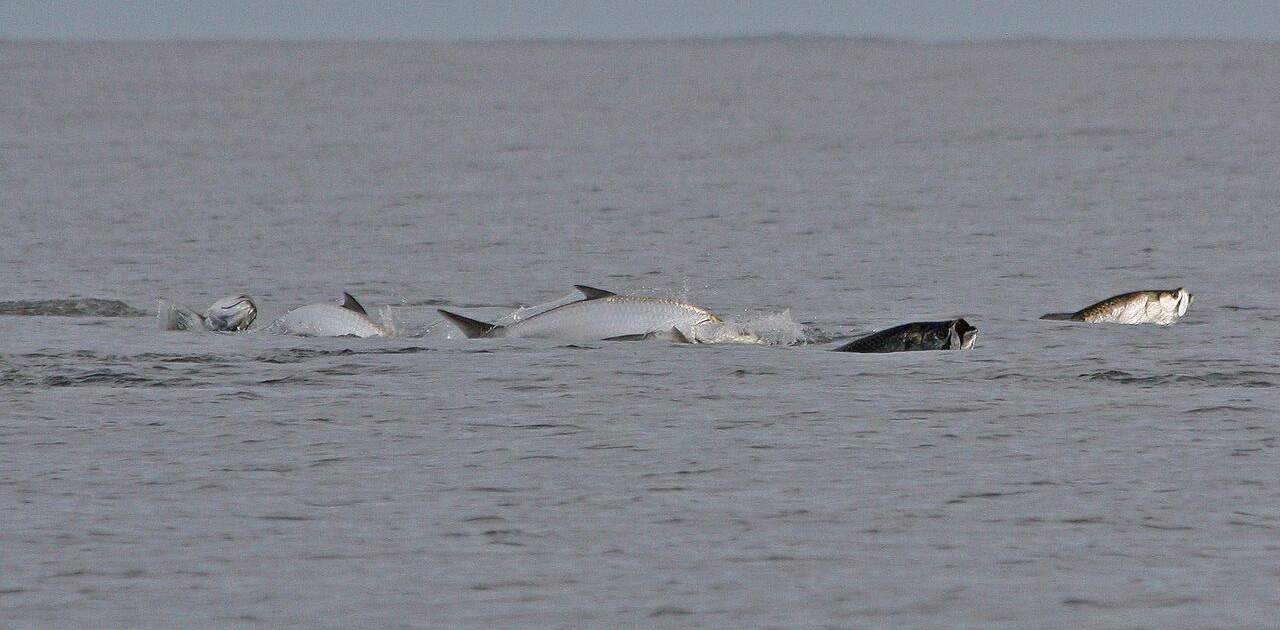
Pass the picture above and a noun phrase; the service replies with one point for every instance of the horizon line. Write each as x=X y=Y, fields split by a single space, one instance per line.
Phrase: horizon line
x=651 y=39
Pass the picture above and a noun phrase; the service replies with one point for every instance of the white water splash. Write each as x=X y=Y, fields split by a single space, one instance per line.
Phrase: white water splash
x=173 y=316
x=391 y=324
x=774 y=329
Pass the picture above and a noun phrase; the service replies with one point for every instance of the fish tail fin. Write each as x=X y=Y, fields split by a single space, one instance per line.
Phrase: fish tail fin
x=472 y=328
x=1065 y=316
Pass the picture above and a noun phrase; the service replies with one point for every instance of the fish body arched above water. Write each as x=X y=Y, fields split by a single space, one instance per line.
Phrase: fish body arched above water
x=1137 y=307
x=229 y=314
x=606 y=316
x=954 y=334
x=328 y=319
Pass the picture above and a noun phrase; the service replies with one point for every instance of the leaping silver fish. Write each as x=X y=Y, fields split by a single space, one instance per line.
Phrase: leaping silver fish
x=606 y=316
x=1137 y=307
x=328 y=319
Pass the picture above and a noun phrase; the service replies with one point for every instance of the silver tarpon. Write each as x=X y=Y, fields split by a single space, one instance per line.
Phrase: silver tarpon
x=604 y=315
x=1137 y=307
x=231 y=313
x=328 y=319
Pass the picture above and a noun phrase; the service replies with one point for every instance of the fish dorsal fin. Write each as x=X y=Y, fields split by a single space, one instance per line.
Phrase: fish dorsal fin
x=593 y=293
x=351 y=304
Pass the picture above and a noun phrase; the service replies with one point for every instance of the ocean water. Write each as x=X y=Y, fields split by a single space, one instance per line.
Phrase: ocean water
x=1057 y=475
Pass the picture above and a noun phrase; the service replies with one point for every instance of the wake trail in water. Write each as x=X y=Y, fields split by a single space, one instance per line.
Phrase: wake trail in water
x=71 y=307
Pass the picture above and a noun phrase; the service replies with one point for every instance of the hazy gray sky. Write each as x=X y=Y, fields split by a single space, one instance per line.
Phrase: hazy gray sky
x=488 y=19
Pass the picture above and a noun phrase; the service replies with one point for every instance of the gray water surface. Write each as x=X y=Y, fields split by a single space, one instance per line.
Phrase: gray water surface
x=1055 y=476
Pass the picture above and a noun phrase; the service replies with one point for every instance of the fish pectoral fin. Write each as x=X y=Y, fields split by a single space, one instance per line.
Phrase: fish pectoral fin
x=472 y=328
x=351 y=304
x=672 y=335
x=1060 y=316
x=678 y=336
x=636 y=337
x=593 y=293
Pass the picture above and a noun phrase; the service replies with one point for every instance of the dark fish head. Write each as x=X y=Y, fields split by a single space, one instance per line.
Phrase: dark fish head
x=966 y=335
x=231 y=313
